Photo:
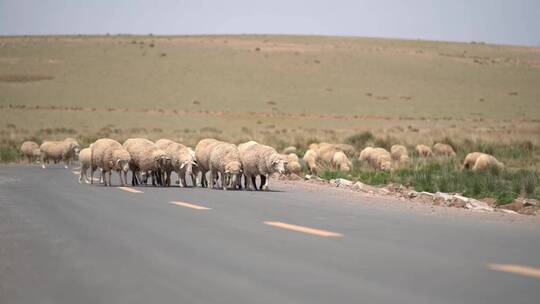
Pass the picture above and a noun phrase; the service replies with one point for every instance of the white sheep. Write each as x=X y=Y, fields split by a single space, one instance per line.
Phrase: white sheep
x=289 y=150
x=423 y=151
x=470 y=160
x=108 y=155
x=377 y=158
x=30 y=150
x=486 y=161
x=446 y=150
x=261 y=160
x=202 y=156
x=397 y=151
x=310 y=159
x=85 y=157
x=146 y=157
x=225 y=165
x=182 y=161
x=58 y=151
x=341 y=162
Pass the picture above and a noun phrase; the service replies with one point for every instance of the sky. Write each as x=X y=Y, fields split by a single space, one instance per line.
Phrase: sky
x=494 y=21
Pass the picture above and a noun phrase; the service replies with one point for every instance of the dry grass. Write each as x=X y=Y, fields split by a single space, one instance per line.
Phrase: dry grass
x=292 y=90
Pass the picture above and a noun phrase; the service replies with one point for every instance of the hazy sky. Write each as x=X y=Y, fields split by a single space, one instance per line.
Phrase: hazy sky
x=499 y=21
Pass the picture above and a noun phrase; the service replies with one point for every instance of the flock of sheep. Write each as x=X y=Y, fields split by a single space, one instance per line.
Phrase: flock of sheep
x=381 y=159
x=227 y=163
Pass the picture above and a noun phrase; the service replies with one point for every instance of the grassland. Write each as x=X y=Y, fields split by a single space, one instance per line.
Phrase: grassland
x=275 y=89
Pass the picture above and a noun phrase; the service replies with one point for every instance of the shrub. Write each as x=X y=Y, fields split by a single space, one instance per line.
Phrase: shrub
x=359 y=140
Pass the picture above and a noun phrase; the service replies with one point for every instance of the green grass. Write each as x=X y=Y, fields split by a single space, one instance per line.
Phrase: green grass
x=432 y=176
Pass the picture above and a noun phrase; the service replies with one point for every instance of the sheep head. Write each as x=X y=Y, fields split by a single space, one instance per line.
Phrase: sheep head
x=121 y=159
x=277 y=163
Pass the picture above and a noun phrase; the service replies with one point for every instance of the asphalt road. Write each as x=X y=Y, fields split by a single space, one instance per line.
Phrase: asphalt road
x=61 y=242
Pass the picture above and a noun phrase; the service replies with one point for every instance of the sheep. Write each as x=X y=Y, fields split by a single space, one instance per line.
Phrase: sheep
x=397 y=151
x=108 y=155
x=290 y=149
x=241 y=149
x=85 y=157
x=310 y=159
x=261 y=160
x=478 y=161
x=202 y=156
x=70 y=156
x=314 y=147
x=443 y=150
x=381 y=159
x=345 y=148
x=293 y=163
x=364 y=154
x=326 y=152
x=182 y=161
x=58 y=151
x=486 y=161
x=146 y=157
x=377 y=158
x=341 y=162
x=225 y=164
x=470 y=160
x=30 y=150
x=423 y=151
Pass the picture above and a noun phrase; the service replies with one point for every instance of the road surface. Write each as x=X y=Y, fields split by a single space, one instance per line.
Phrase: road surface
x=61 y=242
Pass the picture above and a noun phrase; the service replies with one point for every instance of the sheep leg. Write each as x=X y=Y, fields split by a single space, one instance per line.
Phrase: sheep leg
x=81 y=175
x=204 y=181
x=264 y=182
x=249 y=182
x=121 y=178
x=110 y=180
x=103 y=174
x=125 y=178
x=193 y=180
x=225 y=180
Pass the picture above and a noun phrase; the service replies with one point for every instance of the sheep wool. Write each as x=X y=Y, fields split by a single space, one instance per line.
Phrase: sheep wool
x=30 y=150
x=225 y=165
x=423 y=151
x=341 y=162
x=397 y=151
x=261 y=160
x=446 y=150
x=202 y=156
x=109 y=155
x=310 y=159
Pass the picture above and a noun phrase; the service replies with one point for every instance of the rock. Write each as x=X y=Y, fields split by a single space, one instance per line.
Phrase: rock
x=457 y=204
x=515 y=206
x=444 y=196
x=531 y=202
x=528 y=211
x=384 y=191
x=507 y=211
x=359 y=186
x=490 y=201
x=411 y=194
x=477 y=205
x=343 y=183
x=460 y=199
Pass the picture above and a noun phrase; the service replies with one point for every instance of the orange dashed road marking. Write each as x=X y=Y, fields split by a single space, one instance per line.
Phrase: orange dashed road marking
x=128 y=189
x=188 y=205
x=517 y=269
x=303 y=229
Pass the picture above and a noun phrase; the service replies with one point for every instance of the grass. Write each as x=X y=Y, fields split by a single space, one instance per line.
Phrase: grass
x=281 y=91
x=326 y=88
x=444 y=176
